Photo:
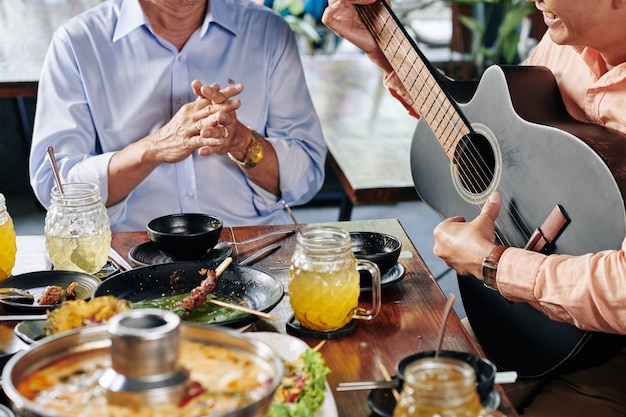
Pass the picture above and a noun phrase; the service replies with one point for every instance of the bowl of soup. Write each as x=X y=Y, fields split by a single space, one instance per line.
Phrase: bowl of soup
x=144 y=363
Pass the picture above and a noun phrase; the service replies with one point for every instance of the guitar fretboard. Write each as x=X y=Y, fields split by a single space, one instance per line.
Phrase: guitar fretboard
x=428 y=98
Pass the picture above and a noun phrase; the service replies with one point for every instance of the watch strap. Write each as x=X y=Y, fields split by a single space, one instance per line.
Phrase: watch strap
x=250 y=160
x=490 y=267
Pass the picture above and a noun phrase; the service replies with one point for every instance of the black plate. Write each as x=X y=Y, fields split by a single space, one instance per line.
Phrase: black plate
x=36 y=282
x=238 y=285
x=147 y=253
x=394 y=275
x=382 y=402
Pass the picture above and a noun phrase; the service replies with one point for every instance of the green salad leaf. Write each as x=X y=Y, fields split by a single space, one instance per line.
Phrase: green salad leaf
x=303 y=389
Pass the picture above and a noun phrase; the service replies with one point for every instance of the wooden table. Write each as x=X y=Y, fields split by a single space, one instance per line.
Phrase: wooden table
x=368 y=132
x=408 y=321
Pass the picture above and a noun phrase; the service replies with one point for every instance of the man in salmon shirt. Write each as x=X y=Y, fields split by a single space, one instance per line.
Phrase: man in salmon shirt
x=585 y=49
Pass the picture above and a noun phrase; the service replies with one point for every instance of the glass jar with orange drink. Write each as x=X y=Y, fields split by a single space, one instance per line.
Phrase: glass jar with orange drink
x=324 y=280
x=8 y=247
x=440 y=386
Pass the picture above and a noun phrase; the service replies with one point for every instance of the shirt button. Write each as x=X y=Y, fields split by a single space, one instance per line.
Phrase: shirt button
x=179 y=104
x=189 y=196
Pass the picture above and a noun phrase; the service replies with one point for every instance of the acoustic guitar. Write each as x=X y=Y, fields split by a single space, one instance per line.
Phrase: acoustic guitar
x=510 y=132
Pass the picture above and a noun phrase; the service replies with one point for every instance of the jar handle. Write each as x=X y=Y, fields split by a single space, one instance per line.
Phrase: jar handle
x=372 y=268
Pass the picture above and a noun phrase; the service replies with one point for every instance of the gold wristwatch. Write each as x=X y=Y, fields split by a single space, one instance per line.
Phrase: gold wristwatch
x=254 y=152
x=490 y=267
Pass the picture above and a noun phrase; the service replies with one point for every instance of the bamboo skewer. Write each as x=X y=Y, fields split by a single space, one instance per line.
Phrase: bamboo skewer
x=218 y=271
x=387 y=377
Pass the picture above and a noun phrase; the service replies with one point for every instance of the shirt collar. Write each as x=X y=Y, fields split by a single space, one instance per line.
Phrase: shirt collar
x=132 y=16
x=221 y=12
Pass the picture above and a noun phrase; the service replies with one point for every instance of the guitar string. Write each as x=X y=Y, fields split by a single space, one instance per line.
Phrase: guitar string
x=473 y=165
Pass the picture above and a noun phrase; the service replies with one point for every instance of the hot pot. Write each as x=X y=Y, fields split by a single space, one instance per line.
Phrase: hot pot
x=142 y=348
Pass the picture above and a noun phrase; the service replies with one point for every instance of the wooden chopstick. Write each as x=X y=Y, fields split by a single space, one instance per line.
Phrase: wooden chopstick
x=218 y=271
x=387 y=377
x=222 y=267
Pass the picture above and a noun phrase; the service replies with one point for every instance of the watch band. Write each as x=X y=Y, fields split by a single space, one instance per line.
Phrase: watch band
x=254 y=151
x=490 y=267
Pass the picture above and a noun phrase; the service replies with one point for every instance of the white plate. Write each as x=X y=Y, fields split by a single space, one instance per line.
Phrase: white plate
x=290 y=348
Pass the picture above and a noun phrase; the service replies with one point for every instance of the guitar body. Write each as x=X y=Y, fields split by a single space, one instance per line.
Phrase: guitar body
x=539 y=157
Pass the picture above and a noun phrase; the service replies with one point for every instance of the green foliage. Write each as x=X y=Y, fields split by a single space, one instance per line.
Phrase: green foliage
x=504 y=49
x=293 y=13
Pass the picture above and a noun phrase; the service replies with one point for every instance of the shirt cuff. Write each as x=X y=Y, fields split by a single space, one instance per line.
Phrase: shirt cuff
x=517 y=274
x=396 y=88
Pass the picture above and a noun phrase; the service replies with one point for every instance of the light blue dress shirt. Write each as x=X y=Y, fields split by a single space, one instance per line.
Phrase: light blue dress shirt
x=109 y=80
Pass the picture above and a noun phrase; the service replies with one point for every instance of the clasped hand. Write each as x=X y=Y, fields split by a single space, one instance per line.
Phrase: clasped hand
x=208 y=124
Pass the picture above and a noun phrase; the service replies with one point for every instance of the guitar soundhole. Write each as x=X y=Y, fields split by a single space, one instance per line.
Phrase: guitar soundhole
x=475 y=163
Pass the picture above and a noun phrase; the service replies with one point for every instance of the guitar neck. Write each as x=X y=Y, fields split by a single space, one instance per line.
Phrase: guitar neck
x=428 y=98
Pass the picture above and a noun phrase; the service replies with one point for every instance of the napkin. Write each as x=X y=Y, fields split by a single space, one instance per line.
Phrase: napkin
x=32 y=255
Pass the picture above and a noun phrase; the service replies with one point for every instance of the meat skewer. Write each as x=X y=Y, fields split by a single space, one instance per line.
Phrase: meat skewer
x=198 y=295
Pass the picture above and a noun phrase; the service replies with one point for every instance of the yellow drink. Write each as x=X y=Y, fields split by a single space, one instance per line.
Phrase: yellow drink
x=82 y=254
x=8 y=248
x=435 y=387
x=324 y=300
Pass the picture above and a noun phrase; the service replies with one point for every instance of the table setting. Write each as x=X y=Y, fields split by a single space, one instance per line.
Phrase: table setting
x=403 y=324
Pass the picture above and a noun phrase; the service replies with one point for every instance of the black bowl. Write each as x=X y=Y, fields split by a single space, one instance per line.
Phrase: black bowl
x=185 y=236
x=484 y=368
x=380 y=248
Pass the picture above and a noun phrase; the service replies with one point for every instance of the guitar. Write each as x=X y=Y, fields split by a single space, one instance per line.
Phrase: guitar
x=511 y=133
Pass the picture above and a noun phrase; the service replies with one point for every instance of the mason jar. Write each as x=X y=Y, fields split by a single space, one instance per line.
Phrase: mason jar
x=77 y=228
x=324 y=281
x=440 y=386
x=8 y=246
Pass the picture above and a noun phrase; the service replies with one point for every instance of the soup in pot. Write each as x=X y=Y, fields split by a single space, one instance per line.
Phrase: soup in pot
x=221 y=380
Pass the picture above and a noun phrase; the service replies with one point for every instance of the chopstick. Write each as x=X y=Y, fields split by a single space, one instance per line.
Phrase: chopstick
x=119 y=260
x=218 y=271
x=387 y=377
x=505 y=377
x=366 y=385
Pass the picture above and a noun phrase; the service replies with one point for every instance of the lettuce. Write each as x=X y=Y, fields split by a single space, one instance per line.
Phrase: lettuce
x=310 y=365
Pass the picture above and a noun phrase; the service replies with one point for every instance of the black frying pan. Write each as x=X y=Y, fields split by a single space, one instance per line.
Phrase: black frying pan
x=238 y=284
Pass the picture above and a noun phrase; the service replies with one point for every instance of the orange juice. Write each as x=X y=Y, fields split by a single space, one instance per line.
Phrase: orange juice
x=8 y=246
x=440 y=387
x=324 y=281
x=322 y=300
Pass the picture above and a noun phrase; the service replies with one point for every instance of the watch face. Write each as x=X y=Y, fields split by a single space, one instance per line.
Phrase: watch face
x=256 y=152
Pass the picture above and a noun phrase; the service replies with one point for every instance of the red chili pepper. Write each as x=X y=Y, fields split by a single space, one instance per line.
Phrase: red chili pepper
x=299 y=383
x=194 y=390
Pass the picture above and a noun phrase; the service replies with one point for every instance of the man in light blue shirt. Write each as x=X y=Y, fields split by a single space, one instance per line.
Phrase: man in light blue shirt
x=118 y=102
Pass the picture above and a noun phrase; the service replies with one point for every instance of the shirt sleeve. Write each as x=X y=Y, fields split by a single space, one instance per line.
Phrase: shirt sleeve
x=396 y=88
x=587 y=291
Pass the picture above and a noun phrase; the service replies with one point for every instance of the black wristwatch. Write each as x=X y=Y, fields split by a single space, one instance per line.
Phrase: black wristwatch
x=490 y=267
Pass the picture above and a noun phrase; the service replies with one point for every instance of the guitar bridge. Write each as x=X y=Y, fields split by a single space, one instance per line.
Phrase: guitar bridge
x=543 y=238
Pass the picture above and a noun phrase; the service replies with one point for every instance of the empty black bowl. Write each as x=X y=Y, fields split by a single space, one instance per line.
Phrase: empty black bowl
x=185 y=236
x=380 y=248
x=484 y=368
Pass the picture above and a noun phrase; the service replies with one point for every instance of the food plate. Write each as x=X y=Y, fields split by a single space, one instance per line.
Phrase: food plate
x=30 y=331
x=241 y=285
x=289 y=348
x=146 y=254
x=36 y=282
x=392 y=276
x=382 y=402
